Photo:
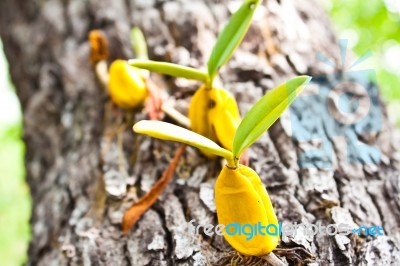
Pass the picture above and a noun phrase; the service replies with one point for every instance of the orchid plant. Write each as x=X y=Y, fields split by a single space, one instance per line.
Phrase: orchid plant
x=213 y=111
x=240 y=196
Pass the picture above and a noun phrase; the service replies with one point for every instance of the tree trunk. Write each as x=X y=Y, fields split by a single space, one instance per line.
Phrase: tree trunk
x=85 y=166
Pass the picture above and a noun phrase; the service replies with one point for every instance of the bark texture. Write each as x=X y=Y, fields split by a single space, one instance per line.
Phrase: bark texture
x=83 y=172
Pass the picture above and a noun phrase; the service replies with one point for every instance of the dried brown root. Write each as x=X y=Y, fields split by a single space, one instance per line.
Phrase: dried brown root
x=133 y=214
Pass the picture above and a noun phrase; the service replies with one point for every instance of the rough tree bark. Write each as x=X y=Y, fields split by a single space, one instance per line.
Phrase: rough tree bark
x=81 y=183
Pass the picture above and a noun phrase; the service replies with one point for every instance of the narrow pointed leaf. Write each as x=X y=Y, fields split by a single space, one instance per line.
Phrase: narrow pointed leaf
x=139 y=43
x=170 y=69
x=265 y=112
x=167 y=131
x=231 y=36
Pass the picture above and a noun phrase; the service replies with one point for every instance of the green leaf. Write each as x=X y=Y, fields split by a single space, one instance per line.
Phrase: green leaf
x=167 y=131
x=265 y=112
x=170 y=69
x=231 y=36
x=139 y=43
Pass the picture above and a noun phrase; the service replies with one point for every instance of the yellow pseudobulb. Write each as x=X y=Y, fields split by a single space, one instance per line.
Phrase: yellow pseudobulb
x=214 y=114
x=241 y=199
x=126 y=86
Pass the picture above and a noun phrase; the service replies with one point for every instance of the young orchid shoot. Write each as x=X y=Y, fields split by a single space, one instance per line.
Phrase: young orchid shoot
x=240 y=196
x=128 y=86
x=213 y=112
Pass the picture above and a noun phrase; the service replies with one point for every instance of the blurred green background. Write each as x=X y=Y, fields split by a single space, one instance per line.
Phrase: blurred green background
x=373 y=24
x=15 y=203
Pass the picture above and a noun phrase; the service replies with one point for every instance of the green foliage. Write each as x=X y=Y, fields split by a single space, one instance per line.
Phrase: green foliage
x=227 y=42
x=170 y=69
x=139 y=43
x=167 y=131
x=265 y=112
x=231 y=36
